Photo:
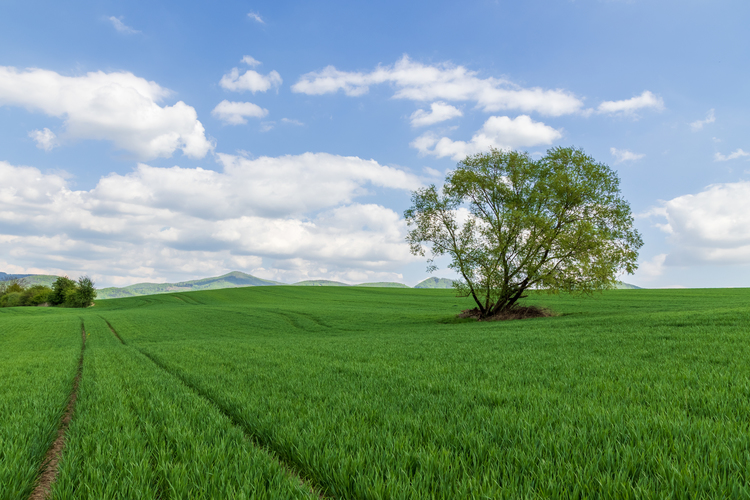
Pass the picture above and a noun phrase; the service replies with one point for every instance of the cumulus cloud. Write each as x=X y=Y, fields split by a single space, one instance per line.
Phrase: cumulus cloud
x=443 y=81
x=117 y=107
x=250 y=61
x=439 y=112
x=290 y=217
x=499 y=132
x=45 y=139
x=249 y=80
x=122 y=27
x=235 y=113
x=731 y=156
x=711 y=227
x=652 y=268
x=698 y=124
x=646 y=100
x=256 y=17
x=622 y=155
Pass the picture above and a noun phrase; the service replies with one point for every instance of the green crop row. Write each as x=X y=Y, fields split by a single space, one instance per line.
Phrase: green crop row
x=381 y=394
x=39 y=356
x=138 y=432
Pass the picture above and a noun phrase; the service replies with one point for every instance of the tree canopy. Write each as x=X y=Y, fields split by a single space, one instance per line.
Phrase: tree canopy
x=510 y=223
x=64 y=292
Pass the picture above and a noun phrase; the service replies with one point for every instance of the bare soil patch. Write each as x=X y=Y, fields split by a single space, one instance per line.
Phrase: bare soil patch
x=48 y=471
x=517 y=312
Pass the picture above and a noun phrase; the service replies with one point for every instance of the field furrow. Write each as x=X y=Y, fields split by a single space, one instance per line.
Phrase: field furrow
x=140 y=433
x=52 y=457
x=39 y=353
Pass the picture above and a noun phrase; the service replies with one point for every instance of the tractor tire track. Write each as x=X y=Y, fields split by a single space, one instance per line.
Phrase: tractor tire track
x=48 y=470
x=251 y=436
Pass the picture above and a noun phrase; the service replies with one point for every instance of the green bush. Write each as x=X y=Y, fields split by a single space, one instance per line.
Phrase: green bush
x=36 y=295
x=11 y=299
x=60 y=290
x=81 y=294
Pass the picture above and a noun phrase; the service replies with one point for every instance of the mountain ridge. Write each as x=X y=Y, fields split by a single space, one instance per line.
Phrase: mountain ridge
x=232 y=279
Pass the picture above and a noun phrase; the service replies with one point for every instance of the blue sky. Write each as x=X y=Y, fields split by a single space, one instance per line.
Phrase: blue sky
x=160 y=141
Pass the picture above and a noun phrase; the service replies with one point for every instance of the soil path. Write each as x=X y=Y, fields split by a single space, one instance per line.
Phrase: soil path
x=48 y=472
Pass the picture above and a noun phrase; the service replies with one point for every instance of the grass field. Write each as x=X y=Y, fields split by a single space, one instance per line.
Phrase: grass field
x=347 y=392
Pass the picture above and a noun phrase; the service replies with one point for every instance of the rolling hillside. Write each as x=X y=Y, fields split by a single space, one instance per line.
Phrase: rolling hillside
x=230 y=280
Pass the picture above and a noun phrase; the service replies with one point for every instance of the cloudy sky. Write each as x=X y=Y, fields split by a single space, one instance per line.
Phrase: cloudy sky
x=163 y=141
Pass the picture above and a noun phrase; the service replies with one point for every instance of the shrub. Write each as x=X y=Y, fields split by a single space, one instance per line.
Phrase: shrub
x=60 y=290
x=11 y=299
x=36 y=295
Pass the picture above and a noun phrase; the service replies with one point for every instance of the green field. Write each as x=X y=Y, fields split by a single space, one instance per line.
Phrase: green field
x=354 y=392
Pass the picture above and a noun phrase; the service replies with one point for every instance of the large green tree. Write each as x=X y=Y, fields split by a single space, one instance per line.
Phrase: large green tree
x=510 y=224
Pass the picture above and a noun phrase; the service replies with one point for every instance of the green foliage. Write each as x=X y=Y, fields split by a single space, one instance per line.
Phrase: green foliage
x=36 y=295
x=11 y=299
x=60 y=290
x=510 y=223
x=14 y=293
x=82 y=294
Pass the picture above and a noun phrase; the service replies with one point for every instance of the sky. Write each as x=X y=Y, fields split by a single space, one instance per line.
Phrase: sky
x=165 y=141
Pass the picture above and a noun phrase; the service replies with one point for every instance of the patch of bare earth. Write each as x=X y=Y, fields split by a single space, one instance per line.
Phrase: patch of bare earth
x=517 y=312
x=48 y=472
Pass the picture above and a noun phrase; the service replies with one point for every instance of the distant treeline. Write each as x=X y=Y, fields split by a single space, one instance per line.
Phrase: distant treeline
x=64 y=292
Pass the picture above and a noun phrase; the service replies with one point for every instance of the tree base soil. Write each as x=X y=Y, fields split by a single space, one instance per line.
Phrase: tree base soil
x=517 y=312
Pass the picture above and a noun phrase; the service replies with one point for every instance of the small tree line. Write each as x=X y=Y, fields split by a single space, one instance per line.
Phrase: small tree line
x=64 y=292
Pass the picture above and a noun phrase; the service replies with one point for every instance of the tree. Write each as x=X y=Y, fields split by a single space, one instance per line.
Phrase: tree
x=510 y=224
x=60 y=289
x=82 y=294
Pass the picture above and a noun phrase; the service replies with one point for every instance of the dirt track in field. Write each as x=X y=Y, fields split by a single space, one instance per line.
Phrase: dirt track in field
x=48 y=472
x=289 y=468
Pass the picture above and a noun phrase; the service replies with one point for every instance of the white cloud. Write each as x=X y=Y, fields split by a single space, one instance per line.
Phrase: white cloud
x=646 y=100
x=498 y=131
x=118 y=107
x=444 y=81
x=622 y=155
x=711 y=227
x=292 y=121
x=122 y=27
x=256 y=17
x=172 y=223
x=250 y=61
x=732 y=156
x=235 y=113
x=698 y=124
x=45 y=139
x=250 y=80
x=439 y=112
x=652 y=268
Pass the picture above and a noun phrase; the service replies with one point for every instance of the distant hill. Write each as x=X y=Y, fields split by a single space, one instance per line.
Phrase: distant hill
x=319 y=283
x=626 y=286
x=435 y=283
x=230 y=280
x=6 y=276
x=384 y=284
x=30 y=279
